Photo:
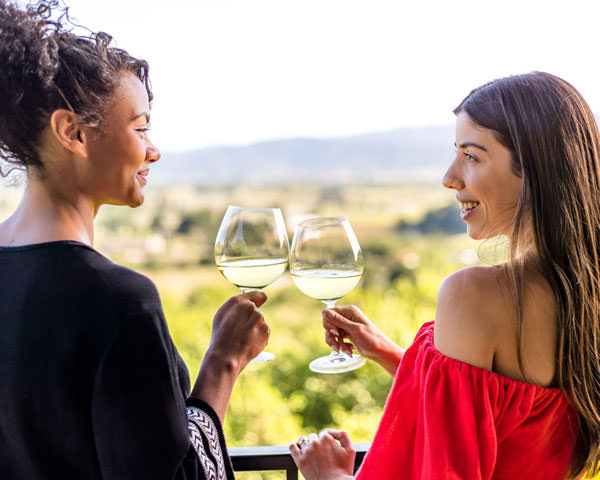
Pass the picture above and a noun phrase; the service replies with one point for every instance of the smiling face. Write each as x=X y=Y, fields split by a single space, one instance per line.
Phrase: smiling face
x=119 y=155
x=486 y=186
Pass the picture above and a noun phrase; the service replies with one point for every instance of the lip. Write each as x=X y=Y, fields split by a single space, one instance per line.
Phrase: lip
x=143 y=176
x=464 y=215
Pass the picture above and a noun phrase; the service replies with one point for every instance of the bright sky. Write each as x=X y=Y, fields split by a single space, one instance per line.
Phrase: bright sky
x=239 y=71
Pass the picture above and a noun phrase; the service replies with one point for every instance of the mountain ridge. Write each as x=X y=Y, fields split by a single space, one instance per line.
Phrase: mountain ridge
x=403 y=154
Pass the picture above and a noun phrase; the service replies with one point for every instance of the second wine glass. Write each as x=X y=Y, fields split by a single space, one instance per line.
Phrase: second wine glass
x=326 y=262
x=251 y=250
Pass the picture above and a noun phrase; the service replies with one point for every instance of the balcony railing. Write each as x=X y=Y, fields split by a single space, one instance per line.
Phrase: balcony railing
x=258 y=459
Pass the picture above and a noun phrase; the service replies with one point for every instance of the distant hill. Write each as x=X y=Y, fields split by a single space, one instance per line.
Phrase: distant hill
x=406 y=154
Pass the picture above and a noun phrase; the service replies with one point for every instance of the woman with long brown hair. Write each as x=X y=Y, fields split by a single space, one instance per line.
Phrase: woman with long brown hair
x=506 y=382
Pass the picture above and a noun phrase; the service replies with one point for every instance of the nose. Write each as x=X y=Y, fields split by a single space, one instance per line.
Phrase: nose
x=452 y=178
x=152 y=153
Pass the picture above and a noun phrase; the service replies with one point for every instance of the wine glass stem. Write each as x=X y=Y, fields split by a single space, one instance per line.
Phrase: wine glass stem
x=246 y=290
x=335 y=356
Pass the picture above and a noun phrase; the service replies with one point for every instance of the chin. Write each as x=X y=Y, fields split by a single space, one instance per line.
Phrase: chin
x=482 y=234
x=475 y=235
x=136 y=202
x=134 y=197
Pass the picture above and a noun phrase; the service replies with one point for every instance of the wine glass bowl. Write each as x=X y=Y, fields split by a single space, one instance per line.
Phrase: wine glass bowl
x=251 y=249
x=326 y=263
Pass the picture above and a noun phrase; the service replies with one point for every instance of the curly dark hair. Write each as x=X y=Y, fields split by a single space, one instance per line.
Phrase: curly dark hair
x=44 y=66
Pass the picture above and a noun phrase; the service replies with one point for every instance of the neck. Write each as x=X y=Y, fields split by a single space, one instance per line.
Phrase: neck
x=49 y=214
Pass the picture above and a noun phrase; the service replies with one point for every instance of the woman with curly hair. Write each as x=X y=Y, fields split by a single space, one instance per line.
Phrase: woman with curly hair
x=91 y=384
x=505 y=384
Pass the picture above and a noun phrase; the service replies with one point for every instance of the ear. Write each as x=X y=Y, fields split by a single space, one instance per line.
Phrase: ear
x=68 y=130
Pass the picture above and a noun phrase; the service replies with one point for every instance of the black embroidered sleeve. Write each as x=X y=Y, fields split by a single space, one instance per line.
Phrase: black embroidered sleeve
x=206 y=436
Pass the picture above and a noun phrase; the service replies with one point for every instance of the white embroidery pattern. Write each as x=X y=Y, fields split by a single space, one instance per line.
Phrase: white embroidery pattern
x=210 y=472
x=201 y=419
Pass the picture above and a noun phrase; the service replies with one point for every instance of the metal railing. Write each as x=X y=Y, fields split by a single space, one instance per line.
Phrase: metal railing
x=257 y=459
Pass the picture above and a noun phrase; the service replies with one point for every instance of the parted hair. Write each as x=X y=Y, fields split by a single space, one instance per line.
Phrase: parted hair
x=553 y=136
x=44 y=67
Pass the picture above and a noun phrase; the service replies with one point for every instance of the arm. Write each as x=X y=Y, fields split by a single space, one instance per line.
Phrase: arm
x=139 y=419
x=239 y=334
x=350 y=323
x=138 y=409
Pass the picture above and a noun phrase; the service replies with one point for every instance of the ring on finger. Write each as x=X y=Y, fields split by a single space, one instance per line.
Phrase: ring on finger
x=301 y=441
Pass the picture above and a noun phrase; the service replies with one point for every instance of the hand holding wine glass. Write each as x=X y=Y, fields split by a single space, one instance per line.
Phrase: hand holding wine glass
x=350 y=324
x=326 y=262
x=239 y=330
x=251 y=249
x=239 y=333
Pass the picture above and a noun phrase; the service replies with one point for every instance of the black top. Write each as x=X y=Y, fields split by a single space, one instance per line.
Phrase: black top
x=91 y=384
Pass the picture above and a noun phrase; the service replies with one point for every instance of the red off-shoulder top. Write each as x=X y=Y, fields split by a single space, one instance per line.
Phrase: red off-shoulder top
x=447 y=419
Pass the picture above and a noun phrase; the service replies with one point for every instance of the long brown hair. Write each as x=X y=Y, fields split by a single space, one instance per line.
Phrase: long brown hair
x=555 y=145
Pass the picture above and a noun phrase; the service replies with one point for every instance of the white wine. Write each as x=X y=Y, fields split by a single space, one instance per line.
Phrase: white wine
x=326 y=283
x=252 y=272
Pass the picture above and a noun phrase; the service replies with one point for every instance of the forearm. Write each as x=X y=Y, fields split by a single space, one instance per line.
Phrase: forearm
x=215 y=382
x=388 y=355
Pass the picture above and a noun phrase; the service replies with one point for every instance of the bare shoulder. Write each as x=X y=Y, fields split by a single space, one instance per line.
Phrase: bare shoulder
x=471 y=313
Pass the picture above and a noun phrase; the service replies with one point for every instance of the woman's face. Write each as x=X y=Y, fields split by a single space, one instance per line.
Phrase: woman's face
x=485 y=184
x=119 y=156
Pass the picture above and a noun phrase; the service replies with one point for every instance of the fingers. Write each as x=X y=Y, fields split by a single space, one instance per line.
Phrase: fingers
x=323 y=456
x=240 y=322
x=332 y=340
x=347 y=348
x=328 y=435
x=296 y=448
x=256 y=297
x=335 y=339
x=243 y=305
x=352 y=313
x=338 y=320
x=249 y=301
x=342 y=437
x=335 y=326
x=305 y=442
x=295 y=451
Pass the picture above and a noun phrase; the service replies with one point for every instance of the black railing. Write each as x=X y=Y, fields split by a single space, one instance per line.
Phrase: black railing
x=257 y=459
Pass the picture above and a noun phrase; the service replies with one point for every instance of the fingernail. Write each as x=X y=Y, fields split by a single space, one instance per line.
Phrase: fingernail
x=335 y=332
x=334 y=348
x=328 y=313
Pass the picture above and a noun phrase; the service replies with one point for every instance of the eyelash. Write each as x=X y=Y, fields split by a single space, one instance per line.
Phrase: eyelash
x=469 y=157
x=144 y=130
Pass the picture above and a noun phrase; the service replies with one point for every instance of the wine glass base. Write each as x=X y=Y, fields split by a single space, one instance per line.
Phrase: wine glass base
x=337 y=363
x=263 y=357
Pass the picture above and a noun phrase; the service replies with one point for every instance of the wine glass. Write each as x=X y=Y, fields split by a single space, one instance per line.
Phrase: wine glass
x=251 y=250
x=326 y=262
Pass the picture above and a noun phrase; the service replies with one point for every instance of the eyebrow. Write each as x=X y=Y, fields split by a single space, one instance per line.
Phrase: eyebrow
x=471 y=144
x=143 y=114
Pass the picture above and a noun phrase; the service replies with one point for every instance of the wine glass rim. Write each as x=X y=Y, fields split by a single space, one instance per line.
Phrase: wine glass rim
x=258 y=209
x=322 y=221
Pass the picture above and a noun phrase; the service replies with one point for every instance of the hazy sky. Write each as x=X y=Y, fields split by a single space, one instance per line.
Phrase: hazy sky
x=241 y=71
